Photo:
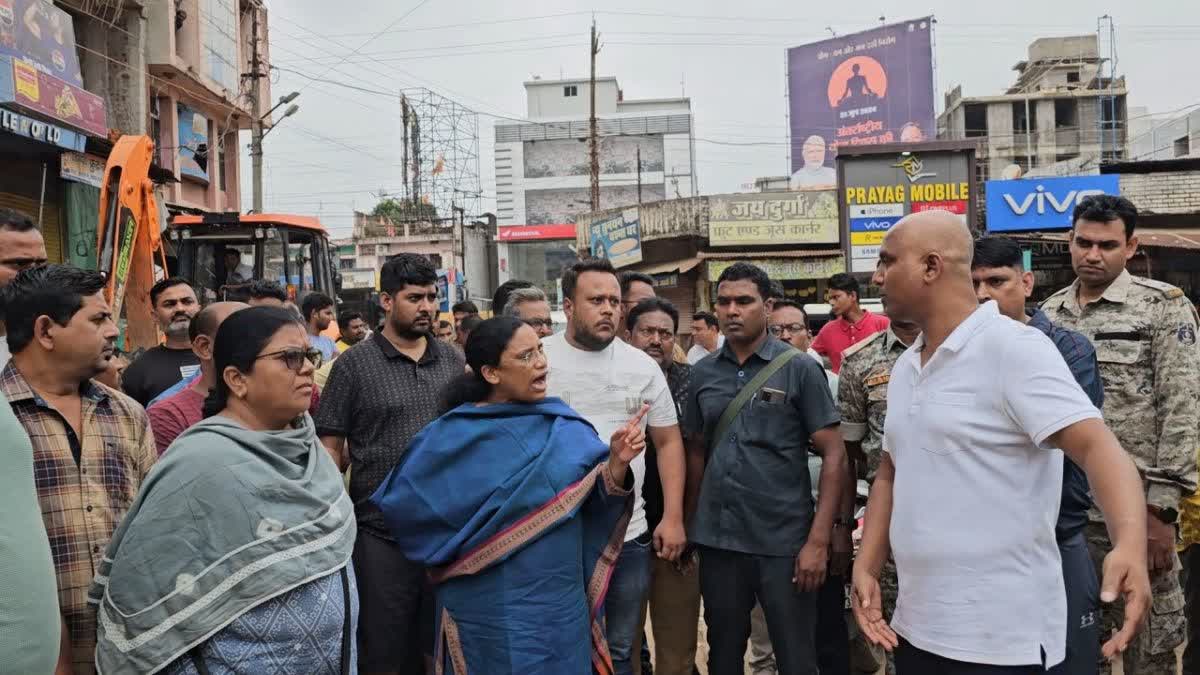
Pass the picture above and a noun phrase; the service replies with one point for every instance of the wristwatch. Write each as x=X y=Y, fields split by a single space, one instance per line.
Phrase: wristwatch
x=1168 y=515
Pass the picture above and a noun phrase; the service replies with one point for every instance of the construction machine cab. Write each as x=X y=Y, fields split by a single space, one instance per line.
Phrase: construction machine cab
x=222 y=253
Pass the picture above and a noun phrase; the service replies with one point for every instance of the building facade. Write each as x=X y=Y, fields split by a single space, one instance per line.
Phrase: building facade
x=543 y=166
x=1158 y=138
x=1060 y=108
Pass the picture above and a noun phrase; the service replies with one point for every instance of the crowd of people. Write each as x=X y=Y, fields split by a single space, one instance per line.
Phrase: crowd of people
x=525 y=501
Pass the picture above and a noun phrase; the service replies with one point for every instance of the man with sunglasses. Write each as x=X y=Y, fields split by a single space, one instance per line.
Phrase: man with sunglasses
x=378 y=396
x=531 y=306
x=21 y=247
x=175 y=414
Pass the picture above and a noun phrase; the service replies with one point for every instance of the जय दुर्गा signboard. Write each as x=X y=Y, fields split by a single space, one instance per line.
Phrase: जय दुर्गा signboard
x=771 y=218
x=821 y=267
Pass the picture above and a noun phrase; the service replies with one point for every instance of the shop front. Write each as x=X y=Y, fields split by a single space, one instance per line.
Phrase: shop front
x=536 y=253
x=46 y=119
x=803 y=274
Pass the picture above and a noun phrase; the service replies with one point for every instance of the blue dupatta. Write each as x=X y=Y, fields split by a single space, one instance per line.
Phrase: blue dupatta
x=481 y=484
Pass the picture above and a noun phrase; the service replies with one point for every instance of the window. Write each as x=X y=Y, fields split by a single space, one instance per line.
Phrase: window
x=1066 y=113
x=1020 y=124
x=219 y=40
x=975 y=120
x=1182 y=147
x=1073 y=77
x=570 y=90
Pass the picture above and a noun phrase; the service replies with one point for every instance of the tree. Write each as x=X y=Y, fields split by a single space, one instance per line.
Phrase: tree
x=404 y=210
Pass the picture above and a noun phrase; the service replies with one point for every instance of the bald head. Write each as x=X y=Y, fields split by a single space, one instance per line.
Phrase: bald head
x=209 y=319
x=937 y=232
x=925 y=262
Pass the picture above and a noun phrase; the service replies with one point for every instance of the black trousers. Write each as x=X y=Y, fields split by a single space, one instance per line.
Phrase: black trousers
x=913 y=661
x=1083 y=609
x=396 y=605
x=1191 y=592
x=730 y=583
x=833 y=638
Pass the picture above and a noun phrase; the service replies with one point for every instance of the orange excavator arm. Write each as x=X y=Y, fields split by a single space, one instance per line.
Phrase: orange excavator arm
x=128 y=239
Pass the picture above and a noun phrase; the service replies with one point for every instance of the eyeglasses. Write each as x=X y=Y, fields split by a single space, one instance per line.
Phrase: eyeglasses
x=528 y=357
x=538 y=323
x=648 y=332
x=295 y=357
x=791 y=328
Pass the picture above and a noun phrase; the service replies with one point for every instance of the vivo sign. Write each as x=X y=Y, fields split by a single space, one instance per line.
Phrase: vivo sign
x=1041 y=203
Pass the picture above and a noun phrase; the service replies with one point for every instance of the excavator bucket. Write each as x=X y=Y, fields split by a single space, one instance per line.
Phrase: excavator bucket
x=128 y=239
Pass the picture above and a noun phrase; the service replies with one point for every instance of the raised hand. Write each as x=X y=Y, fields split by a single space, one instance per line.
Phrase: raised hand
x=630 y=439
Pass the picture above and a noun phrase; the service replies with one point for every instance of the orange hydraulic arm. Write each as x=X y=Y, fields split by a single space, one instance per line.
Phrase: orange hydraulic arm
x=127 y=238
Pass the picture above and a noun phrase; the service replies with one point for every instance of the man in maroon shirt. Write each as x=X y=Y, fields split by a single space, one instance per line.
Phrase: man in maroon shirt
x=173 y=415
x=852 y=325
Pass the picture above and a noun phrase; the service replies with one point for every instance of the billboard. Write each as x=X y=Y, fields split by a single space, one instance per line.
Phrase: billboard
x=193 y=144
x=868 y=88
x=773 y=218
x=617 y=237
x=37 y=92
x=1041 y=203
x=880 y=188
x=37 y=32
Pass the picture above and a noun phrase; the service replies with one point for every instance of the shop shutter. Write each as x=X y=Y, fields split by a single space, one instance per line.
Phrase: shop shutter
x=51 y=224
x=683 y=296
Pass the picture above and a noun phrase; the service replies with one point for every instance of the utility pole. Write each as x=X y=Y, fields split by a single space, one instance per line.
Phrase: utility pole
x=639 y=174
x=404 y=133
x=594 y=141
x=256 y=125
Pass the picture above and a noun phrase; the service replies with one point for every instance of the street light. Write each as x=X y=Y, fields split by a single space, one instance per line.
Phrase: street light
x=257 y=134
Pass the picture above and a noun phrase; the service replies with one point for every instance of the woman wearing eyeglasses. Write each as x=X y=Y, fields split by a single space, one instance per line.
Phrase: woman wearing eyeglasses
x=234 y=556
x=519 y=509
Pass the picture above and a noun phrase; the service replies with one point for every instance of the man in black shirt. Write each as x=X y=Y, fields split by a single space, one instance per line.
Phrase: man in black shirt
x=378 y=396
x=160 y=368
x=674 y=598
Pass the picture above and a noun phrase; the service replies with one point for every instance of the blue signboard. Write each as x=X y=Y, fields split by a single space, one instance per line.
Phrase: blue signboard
x=873 y=224
x=1029 y=204
x=618 y=237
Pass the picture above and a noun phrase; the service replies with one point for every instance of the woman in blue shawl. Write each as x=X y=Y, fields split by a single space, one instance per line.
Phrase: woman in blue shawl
x=519 y=509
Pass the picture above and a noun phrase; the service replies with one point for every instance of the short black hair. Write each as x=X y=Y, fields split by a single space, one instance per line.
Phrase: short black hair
x=442 y=323
x=500 y=297
x=17 y=221
x=56 y=291
x=629 y=277
x=570 y=275
x=994 y=251
x=264 y=288
x=159 y=288
x=346 y=318
x=464 y=306
x=470 y=323
x=777 y=292
x=742 y=271
x=314 y=302
x=652 y=305
x=406 y=269
x=1106 y=208
x=708 y=318
x=843 y=282
x=780 y=304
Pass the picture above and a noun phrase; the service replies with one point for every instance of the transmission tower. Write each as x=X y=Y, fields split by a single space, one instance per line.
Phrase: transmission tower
x=443 y=167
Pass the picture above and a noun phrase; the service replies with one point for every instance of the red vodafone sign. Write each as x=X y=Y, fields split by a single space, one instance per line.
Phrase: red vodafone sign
x=536 y=232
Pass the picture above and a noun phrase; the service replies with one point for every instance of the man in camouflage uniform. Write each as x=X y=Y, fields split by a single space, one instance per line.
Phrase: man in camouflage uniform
x=1144 y=333
x=862 y=401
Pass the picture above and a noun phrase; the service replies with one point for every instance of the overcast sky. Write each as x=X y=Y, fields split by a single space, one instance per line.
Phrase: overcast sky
x=343 y=146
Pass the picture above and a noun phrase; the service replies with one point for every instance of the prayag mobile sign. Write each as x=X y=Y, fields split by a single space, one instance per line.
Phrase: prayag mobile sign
x=882 y=184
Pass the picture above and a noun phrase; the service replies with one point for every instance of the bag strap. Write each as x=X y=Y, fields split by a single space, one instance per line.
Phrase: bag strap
x=748 y=392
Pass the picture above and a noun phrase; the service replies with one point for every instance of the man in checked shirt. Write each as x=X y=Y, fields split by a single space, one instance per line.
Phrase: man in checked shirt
x=92 y=445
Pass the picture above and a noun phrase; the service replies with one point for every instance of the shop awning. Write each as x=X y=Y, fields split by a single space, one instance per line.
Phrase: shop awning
x=680 y=266
x=1170 y=237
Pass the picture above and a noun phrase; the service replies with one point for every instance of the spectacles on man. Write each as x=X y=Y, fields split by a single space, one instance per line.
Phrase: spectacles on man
x=648 y=332
x=789 y=328
x=538 y=323
x=295 y=357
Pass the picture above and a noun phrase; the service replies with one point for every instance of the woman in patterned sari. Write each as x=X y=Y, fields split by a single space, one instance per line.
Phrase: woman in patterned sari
x=519 y=509
x=233 y=558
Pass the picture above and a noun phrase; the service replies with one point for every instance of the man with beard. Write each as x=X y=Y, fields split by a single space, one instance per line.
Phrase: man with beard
x=379 y=395
x=674 y=597
x=92 y=445
x=161 y=367
x=607 y=381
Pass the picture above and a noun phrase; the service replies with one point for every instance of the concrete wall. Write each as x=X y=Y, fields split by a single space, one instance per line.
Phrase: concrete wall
x=563 y=205
x=1167 y=192
x=570 y=157
x=546 y=100
x=1157 y=140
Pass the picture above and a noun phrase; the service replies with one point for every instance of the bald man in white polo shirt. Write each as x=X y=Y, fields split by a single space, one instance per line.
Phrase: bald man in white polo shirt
x=967 y=494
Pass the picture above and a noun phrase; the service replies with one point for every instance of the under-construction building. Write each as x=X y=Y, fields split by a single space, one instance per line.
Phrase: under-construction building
x=1066 y=104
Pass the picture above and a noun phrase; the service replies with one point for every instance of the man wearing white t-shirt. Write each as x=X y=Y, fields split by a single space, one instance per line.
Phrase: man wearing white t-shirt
x=603 y=378
x=966 y=496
